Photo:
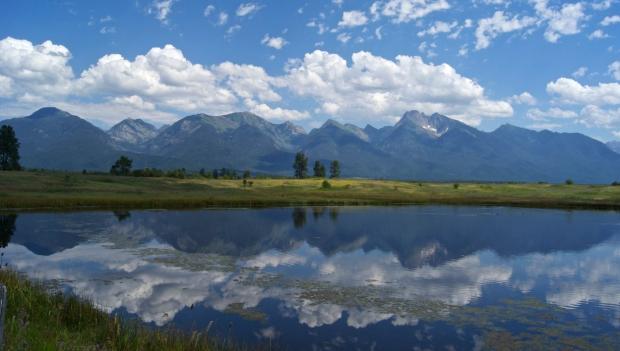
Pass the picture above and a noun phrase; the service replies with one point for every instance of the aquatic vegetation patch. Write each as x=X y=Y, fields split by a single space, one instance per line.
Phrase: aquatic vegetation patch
x=194 y=262
x=251 y=314
x=511 y=324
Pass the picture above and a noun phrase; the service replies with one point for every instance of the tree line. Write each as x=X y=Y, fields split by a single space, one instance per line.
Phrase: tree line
x=123 y=167
x=300 y=167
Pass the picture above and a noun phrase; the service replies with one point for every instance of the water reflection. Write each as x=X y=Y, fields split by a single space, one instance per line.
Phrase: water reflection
x=121 y=215
x=443 y=273
x=7 y=228
x=299 y=217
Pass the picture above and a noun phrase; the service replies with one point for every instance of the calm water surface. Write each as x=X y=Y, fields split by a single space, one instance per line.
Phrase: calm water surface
x=381 y=278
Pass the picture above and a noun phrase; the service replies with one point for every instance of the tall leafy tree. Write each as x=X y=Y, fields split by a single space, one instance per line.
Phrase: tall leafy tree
x=300 y=165
x=334 y=169
x=122 y=166
x=319 y=169
x=9 y=149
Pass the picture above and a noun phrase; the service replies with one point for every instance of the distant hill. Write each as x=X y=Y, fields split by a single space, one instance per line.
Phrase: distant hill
x=419 y=146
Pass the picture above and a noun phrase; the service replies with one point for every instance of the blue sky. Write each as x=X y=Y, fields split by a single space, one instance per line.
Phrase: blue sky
x=533 y=63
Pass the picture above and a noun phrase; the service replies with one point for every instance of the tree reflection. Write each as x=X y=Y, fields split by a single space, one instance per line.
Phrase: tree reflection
x=7 y=228
x=318 y=212
x=333 y=213
x=122 y=215
x=299 y=217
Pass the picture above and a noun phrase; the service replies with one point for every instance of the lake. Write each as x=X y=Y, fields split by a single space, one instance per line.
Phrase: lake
x=328 y=278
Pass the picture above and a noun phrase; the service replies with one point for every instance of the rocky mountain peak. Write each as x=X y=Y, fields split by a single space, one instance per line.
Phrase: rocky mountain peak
x=292 y=128
x=132 y=131
x=434 y=125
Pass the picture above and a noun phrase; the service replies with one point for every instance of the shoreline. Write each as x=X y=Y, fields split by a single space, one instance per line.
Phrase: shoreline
x=39 y=316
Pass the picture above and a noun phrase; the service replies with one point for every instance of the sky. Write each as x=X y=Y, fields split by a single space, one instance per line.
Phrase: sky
x=539 y=64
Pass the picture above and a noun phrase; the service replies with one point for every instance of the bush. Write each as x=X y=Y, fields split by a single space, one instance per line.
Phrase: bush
x=615 y=183
x=569 y=181
x=325 y=185
x=177 y=173
x=148 y=172
x=456 y=185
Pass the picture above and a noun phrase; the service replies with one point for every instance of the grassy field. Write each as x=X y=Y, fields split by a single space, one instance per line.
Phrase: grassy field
x=39 y=319
x=56 y=190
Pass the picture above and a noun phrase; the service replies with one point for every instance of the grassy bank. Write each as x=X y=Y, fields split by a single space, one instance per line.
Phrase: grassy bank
x=49 y=190
x=38 y=319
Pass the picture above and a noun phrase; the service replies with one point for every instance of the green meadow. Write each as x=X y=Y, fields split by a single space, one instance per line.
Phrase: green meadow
x=58 y=190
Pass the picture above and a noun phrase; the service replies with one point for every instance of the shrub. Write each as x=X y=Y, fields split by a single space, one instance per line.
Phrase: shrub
x=456 y=185
x=615 y=183
x=147 y=172
x=326 y=185
x=176 y=173
x=569 y=181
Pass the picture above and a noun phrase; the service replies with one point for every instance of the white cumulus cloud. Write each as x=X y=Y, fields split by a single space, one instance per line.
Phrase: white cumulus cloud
x=163 y=83
x=208 y=10
x=403 y=11
x=580 y=72
x=161 y=9
x=437 y=28
x=566 y=20
x=598 y=34
x=27 y=69
x=353 y=19
x=377 y=89
x=247 y=9
x=524 y=98
x=274 y=42
x=595 y=116
x=489 y=28
x=609 y=20
x=570 y=91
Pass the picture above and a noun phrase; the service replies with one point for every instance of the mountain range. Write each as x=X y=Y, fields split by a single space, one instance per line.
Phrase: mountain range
x=419 y=146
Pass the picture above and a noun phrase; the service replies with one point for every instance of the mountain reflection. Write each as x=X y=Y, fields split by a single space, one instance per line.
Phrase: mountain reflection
x=418 y=236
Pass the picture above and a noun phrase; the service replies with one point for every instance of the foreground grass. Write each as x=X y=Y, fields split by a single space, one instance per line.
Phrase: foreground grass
x=56 y=190
x=39 y=319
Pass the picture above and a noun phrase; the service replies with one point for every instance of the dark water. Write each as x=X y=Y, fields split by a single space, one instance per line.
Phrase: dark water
x=381 y=278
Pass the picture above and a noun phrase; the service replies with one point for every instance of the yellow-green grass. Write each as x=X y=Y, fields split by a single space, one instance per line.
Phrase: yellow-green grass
x=38 y=318
x=57 y=190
